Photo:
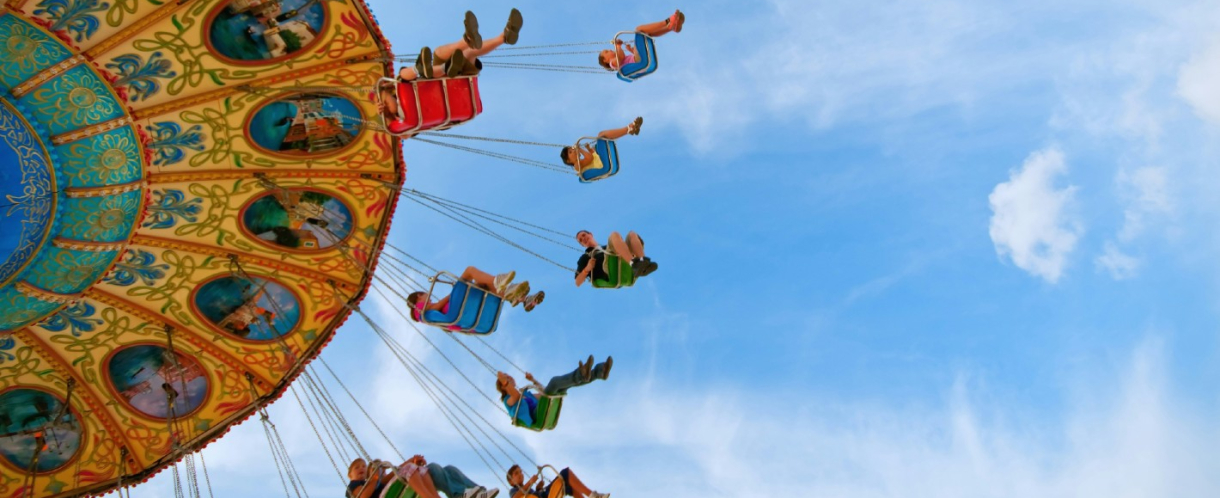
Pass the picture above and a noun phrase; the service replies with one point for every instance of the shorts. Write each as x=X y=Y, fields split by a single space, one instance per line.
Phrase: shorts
x=562 y=481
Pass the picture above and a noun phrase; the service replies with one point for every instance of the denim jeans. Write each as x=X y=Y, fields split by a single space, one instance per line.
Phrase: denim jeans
x=560 y=384
x=449 y=480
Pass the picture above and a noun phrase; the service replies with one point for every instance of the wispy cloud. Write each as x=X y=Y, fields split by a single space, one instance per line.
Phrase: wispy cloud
x=1197 y=83
x=1119 y=265
x=1031 y=222
x=1134 y=439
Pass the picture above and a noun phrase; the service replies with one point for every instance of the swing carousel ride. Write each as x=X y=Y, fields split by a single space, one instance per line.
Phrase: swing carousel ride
x=195 y=196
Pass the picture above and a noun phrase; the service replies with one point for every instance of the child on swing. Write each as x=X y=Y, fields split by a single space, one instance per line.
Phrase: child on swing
x=460 y=58
x=611 y=60
x=500 y=285
x=586 y=158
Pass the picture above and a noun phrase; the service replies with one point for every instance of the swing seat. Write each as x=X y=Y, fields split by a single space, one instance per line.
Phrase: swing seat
x=619 y=271
x=645 y=65
x=471 y=310
x=398 y=489
x=608 y=152
x=546 y=414
x=437 y=104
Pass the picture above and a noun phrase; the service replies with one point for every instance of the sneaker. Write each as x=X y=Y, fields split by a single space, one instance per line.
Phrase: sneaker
x=473 y=38
x=634 y=127
x=638 y=265
x=649 y=267
x=490 y=493
x=502 y=281
x=473 y=492
x=513 y=28
x=423 y=65
x=595 y=494
x=608 y=365
x=533 y=301
x=456 y=64
x=517 y=292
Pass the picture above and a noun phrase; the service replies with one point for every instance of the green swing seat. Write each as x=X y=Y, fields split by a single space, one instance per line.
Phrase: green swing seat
x=619 y=271
x=398 y=489
x=546 y=414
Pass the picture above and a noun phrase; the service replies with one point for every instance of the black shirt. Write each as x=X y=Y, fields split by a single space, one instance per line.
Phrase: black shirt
x=354 y=487
x=599 y=266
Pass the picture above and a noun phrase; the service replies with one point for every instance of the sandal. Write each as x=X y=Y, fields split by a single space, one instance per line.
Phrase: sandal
x=471 y=36
x=634 y=127
x=513 y=28
x=456 y=64
x=423 y=65
x=676 y=21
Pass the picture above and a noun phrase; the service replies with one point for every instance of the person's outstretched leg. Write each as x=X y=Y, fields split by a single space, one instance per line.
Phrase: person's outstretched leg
x=449 y=480
x=577 y=487
x=497 y=284
x=617 y=133
x=421 y=482
x=659 y=28
x=624 y=249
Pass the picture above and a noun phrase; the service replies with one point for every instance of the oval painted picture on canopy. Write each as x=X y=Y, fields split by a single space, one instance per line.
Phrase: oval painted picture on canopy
x=305 y=124
x=298 y=219
x=30 y=419
x=265 y=30
x=140 y=375
x=254 y=309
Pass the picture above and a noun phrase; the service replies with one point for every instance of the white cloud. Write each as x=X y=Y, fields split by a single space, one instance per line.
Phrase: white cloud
x=1030 y=222
x=1124 y=436
x=1199 y=83
x=1120 y=266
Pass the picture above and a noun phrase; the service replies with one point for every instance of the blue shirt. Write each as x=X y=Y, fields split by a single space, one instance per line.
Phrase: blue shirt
x=526 y=415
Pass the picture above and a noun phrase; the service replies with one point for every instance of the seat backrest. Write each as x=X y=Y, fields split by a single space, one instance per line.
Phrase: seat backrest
x=398 y=489
x=457 y=299
x=645 y=64
x=546 y=415
x=619 y=271
x=489 y=314
x=607 y=150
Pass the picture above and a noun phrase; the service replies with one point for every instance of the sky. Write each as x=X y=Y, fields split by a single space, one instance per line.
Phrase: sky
x=943 y=248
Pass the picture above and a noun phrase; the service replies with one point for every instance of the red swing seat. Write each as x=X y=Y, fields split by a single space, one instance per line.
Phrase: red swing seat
x=436 y=104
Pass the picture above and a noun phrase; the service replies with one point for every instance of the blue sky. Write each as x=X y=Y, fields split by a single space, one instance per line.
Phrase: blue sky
x=941 y=248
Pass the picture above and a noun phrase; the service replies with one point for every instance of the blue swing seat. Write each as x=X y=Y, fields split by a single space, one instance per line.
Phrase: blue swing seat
x=607 y=151
x=647 y=62
x=471 y=310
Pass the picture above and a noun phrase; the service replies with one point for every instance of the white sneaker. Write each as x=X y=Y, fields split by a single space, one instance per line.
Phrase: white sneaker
x=595 y=494
x=490 y=493
x=473 y=492
x=502 y=281
x=517 y=292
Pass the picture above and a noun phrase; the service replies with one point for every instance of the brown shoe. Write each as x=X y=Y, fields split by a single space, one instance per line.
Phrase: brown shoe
x=513 y=28
x=423 y=65
x=608 y=365
x=634 y=127
x=585 y=369
x=473 y=38
x=456 y=64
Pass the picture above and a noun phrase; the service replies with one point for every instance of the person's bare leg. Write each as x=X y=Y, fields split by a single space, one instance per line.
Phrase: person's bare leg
x=421 y=482
x=578 y=488
x=489 y=44
x=615 y=133
x=480 y=277
x=407 y=74
x=445 y=52
x=623 y=249
x=655 y=29
x=635 y=244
